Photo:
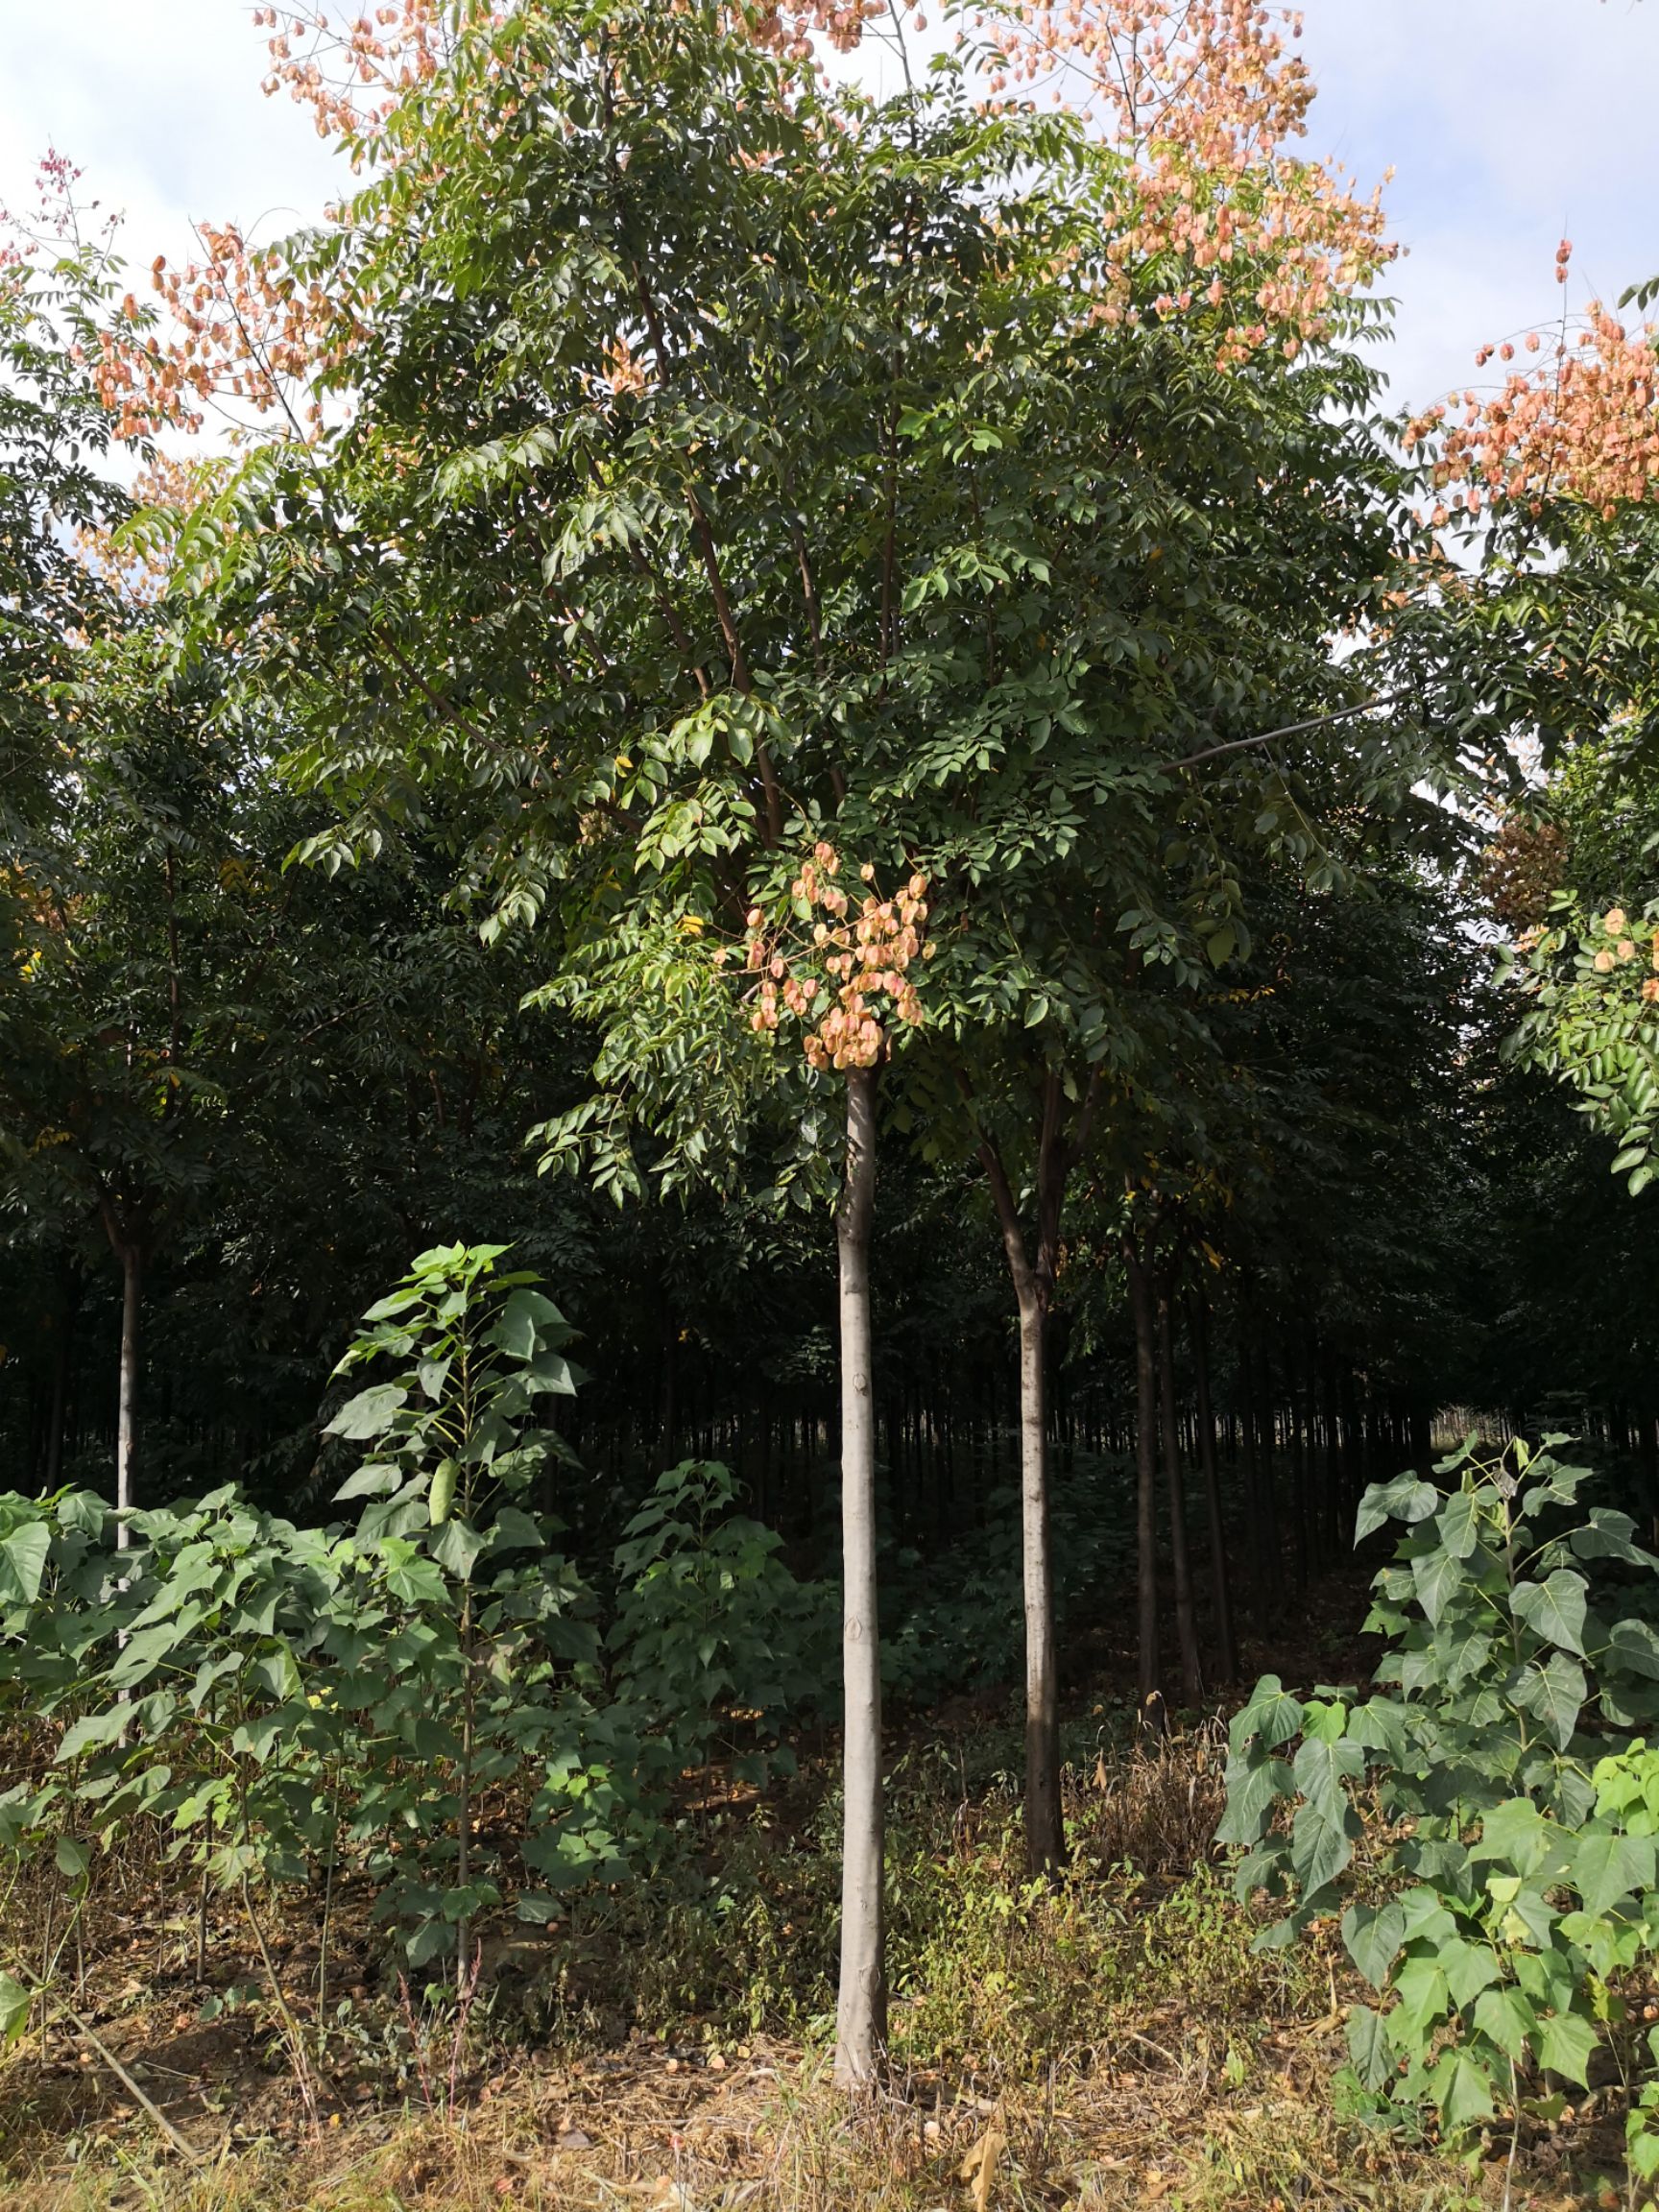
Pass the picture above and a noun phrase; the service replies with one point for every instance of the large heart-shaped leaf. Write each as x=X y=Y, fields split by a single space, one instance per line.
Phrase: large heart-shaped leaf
x=1555 y=1692
x=370 y=1414
x=1373 y=1935
x=1369 y=2047
x=23 y=1557
x=1406 y=1498
x=1554 y=1609
x=1437 y=1575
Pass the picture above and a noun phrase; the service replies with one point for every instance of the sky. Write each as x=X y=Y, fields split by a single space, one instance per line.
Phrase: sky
x=1509 y=124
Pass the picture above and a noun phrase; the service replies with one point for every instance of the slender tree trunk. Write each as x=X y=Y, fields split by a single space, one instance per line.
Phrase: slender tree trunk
x=1185 y=1620
x=1044 y=1838
x=861 y=2010
x=62 y=1352
x=127 y=1418
x=1148 y=1671
x=1033 y=1291
x=1226 y=1642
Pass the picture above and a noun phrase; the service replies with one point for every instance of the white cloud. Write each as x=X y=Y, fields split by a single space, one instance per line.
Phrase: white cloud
x=158 y=103
x=1507 y=122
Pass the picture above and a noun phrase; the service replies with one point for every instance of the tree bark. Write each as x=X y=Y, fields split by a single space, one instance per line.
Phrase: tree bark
x=1148 y=1672
x=1226 y=1640
x=62 y=1354
x=862 y=2008
x=1044 y=1833
x=1186 y=1620
x=127 y=1418
x=1034 y=1282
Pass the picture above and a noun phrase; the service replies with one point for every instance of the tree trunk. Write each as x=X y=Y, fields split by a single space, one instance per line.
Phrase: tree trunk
x=1033 y=1291
x=1226 y=1642
x=861 y=2010
x=62 y=1354
x=1185 y=1620
x=127 y=1419
x=1148 y=1672
x=1045 y=1837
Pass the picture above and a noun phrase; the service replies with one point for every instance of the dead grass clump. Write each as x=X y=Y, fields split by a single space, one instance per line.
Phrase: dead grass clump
x=1157 y=1807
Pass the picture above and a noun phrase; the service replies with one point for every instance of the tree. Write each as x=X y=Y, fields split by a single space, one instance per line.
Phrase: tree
x=781 y=390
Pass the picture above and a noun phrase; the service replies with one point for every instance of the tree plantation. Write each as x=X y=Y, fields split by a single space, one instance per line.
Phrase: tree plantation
x=828 y=1063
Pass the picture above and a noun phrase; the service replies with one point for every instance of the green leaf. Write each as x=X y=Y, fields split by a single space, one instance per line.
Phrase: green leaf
x=516 y=1530
x=1459 y=1523
x=71 y=1858
x=456 y=1548
x=1254 y=1786
x=1406 y=1498
x=1319 y=1848
x=1609 y=1867
x=1554 y=1609
x=443 y=1493
x=416 y=1581
x=1635 y=1646
x=1272 y=1715
x=1368 y=2047
x=14 y=2004
x=1608 y=1535
x=1555 y=1693
x=1424 y=1996
x=1468 y=1968
x=1516 y=1831
x=370 y=1414
x=376 y=1481
x=23 y=1557
x=1462 y=2089
x=1565 y=2044
x=1374 y=1935
x=1319 y=1772
x=1437 y=1575
x=1507 y=2017
x=526 y=1314
x=93 y=1731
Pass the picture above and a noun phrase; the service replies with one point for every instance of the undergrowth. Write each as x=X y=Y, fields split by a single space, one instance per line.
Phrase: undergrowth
x=1105 y=2042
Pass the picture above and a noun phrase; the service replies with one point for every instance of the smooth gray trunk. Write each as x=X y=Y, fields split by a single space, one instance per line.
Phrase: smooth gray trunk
x=861 y=2007
x=1220 y=1586
x=1185 y=1620
x=127 y=1418
x=1044 y=1833
x=1149 y=1688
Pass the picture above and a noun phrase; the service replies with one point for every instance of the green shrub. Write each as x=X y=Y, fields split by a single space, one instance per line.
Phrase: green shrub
x=1510 y=1882
x=712 y=1629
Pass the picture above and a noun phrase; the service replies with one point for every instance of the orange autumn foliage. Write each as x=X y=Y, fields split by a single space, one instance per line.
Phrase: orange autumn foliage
x=1583 y=425
x=1206 y=98
x=834 y=981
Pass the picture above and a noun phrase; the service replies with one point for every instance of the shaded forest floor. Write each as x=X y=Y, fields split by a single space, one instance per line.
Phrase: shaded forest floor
x=1105 y=2044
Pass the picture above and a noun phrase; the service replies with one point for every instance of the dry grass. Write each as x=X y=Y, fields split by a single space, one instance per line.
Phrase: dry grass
x=1102 y=2045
